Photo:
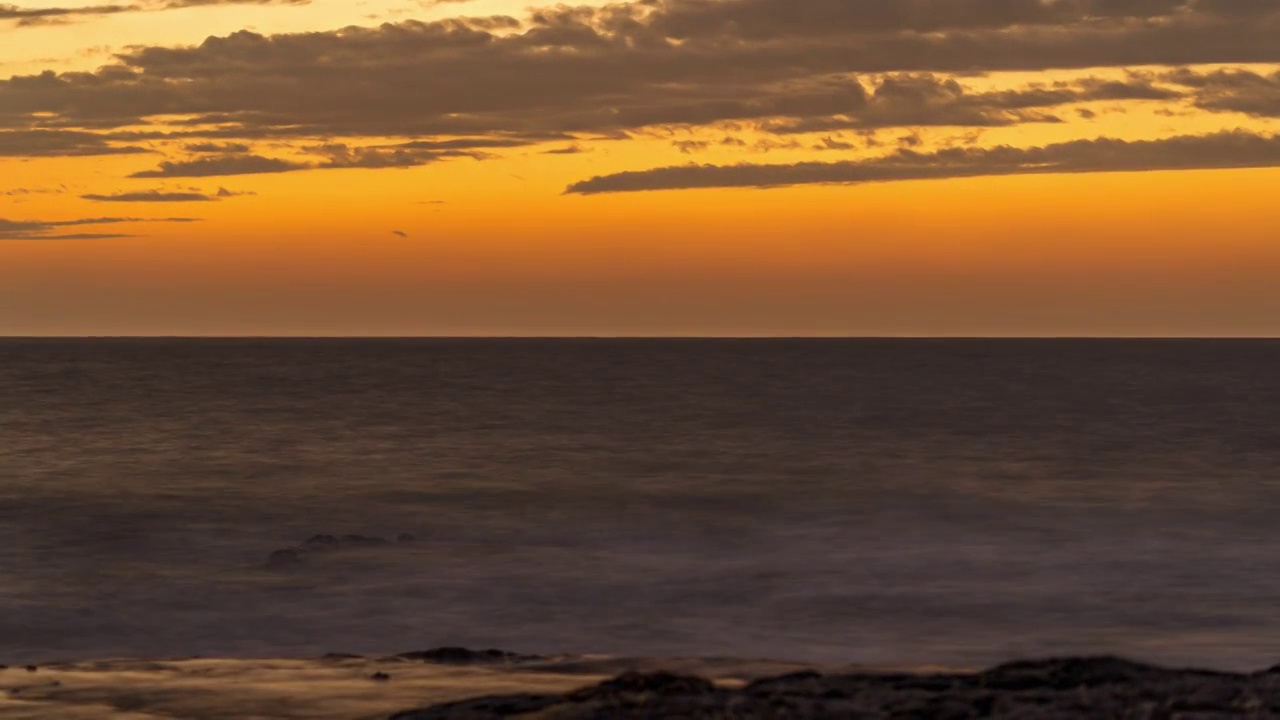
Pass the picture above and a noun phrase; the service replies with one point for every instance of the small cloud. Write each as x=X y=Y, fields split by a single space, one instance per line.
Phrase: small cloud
x=831 y=143
x=400 y=233
x=688 y=147
x=574 y=149
x=222 y=165
x=432 y=202
x=225 y=193
x=53 y=229
x=213 y=147
x=150 y=196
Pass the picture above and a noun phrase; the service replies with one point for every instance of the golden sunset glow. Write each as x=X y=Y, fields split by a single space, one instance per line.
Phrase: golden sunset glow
x=705 y=167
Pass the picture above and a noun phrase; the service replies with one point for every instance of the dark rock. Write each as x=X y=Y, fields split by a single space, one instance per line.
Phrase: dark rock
x=464 y=656
x=32 y=668
x=380 y=677
x=361 y=541
x=1059 y=689
x=285 y=559
x=660 y=683
x=499 y=706
x=1068 y=673
x=337 y=657
x=322 y=542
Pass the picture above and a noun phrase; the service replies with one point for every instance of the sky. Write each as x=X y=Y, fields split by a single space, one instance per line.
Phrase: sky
x=656 y=167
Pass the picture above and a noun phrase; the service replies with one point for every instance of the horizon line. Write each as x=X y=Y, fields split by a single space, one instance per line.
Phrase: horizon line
x=645 y=337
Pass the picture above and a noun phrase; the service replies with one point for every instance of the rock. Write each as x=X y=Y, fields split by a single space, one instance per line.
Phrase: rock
x=322 y=542
x=500 y=706
x=285 y=559
x=33 y=668
x=339 y=657
x=318 y=544
x=660 y=683
x=380 y=677
x=464 y=656
x=1056 y=689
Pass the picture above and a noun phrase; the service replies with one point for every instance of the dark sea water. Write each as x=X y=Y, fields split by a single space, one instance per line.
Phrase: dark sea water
x=954 y=502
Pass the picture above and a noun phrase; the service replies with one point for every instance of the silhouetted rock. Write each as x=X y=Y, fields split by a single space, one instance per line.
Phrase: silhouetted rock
x=380 y=677
x=660 y=683
x=1059 y=689
x=338 y=657
x=33 y=668
x=464 y=656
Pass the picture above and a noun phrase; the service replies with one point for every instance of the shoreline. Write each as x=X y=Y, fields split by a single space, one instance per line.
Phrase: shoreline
x=459 y=684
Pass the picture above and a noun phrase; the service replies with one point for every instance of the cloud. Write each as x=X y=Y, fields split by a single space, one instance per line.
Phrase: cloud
x=52 y=229
x=400 y=233
x=59 y=143
x=574 y=149
x=1241 y=91
x=150 y=196
x=606 y=71
x=32 y=17
x=216 y=148
x=1237 y=149
x=221 y=165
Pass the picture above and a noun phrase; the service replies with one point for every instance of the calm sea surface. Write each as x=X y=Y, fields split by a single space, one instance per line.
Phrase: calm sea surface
x=864 y=501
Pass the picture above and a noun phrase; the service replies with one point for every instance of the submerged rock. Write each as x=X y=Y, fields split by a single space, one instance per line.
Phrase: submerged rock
x=1059 y=689
x=340 y=657
x=291 y=557
x=285 y=559
x=465 y=656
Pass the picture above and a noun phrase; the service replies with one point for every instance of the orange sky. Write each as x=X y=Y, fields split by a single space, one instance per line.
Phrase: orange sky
x=1052 y=204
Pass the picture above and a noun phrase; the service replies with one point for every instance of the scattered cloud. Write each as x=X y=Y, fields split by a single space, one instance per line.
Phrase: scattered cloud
x=33 y=17
x=220 y=166
x=1192 y=152
x=400 y=233
x=150 y=196
x=59 y=143
x=54 y=229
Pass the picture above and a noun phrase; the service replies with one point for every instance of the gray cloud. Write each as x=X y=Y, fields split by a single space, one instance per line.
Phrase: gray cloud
x=59 y=143
x=1233 y=91
x=216 y=148
x=1218 y=151
x=661 y=62
x=220 y=166
x=52 y=229
x=150 y=196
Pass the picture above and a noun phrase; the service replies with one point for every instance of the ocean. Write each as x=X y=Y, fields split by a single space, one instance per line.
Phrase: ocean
x=953 y=502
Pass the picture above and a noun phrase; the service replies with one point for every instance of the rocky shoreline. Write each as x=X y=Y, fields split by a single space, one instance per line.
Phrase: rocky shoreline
x=1098 y=687
x=454 y=683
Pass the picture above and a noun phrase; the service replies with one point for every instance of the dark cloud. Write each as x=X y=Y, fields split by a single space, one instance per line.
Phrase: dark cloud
x=59 y=143
x=400 y=233
x=574 y=149
x=221 y=165
x=1223 y=150
x=216 y=148
x=661 y=62
x=150 y=196
x=1240 y=91
x=53 y=229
